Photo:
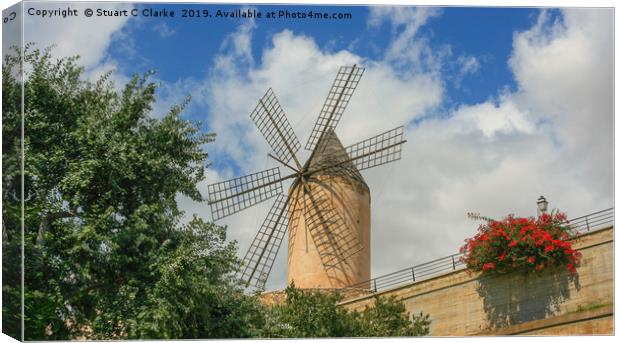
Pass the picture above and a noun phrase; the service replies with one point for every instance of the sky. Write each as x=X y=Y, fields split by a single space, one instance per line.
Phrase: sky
x=500 y=105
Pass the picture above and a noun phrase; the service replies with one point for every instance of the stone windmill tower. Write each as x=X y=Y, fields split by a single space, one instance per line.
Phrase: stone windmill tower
x=327 y=207
x=340 y=198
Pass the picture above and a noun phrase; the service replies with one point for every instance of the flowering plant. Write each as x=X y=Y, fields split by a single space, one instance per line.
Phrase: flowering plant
x=521 y=243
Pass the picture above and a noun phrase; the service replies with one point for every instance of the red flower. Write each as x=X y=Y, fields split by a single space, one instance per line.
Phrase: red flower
x=488 y=266
x=502 y=256
x=525 y=242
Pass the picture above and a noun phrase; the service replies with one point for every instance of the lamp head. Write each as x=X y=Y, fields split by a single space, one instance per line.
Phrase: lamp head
x=542 y=204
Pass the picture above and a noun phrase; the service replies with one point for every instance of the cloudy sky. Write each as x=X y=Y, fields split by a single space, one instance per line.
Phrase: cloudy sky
x=500 y=105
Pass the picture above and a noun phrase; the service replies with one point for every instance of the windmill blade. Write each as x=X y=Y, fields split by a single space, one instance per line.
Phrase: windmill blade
x=296 y=213
x=272 y=123
x=332 y=237
x=232 y=196
x=378 y=150
x=262 y=253
x=337 y=100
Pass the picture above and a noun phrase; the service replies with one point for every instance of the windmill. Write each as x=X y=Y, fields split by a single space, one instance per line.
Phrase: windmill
x=327 y=207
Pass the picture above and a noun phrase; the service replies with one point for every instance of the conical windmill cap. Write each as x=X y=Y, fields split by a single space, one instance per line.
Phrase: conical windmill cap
x=329 y=151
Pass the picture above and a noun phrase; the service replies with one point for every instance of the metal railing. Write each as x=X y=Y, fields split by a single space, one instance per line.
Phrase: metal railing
x=588 y=223
x=592 y=221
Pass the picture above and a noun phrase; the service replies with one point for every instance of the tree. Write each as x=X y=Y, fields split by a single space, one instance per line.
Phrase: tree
x=189 y=300
x=308 y=313
x=388 y=317
x=11 y=199
x=106 y=253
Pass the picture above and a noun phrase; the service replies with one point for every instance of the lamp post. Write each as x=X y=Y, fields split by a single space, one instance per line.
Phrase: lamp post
x=542 y=205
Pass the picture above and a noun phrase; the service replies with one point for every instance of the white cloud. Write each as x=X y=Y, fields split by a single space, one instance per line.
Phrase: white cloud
x=164 y=30
x=491 y=119
x=408 y=48
x=550 y=136
x=88 y=37
x=467 y=65
x=564 y=71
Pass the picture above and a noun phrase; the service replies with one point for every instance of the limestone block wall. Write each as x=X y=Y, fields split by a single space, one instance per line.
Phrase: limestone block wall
x=461 y=303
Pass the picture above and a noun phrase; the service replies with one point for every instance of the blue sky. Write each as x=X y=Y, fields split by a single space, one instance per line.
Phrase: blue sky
x=500 y=105
x=485 y=33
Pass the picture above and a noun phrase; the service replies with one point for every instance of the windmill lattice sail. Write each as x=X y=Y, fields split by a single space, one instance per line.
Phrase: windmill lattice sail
x=377 y=150
x=271 y=121
x=337 y=100
x=232 y=196
x=261 y=255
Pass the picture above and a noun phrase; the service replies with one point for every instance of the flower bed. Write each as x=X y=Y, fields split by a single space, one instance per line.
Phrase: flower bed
x=521 y=244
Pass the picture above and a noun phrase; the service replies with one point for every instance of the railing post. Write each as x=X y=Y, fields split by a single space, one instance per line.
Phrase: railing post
x=587 y=224
x=375 y=282
x=413 y=274
x=453 y=264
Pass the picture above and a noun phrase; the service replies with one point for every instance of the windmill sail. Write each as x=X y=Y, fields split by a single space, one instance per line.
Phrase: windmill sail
x=337 y=100
x=261 y=255
x=378 y=150
x=271 y=121
x=232 y=196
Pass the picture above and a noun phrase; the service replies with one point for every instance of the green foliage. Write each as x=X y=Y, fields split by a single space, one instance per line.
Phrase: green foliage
x=11 y=203
x=389 y=317
x=189 y=300
x=106 y=254
x=307 y=313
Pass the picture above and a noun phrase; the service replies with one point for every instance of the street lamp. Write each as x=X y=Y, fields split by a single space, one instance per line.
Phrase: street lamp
x=542 y=204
